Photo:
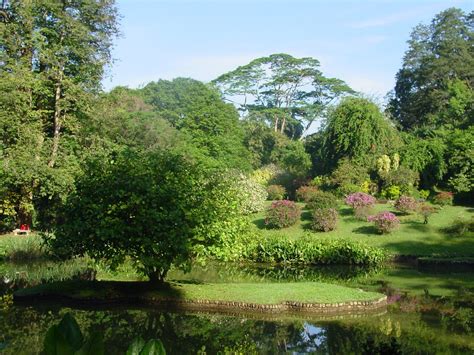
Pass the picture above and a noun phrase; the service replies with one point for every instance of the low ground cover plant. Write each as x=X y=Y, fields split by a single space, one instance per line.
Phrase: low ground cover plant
x=19 y=248
x=386 y=222
x=306 y=193
x=406 y=204
x=324 y=219
x=281 y=249
x=282 y=214
x=276 y=192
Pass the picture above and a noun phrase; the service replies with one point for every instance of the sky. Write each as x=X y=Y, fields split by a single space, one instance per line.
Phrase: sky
x=361 y=42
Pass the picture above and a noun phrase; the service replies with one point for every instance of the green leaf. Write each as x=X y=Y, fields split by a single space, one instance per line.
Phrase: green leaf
x=93 y=346
x=55 y=343
x=71 y=332
x=153 y=347
x=136 y=346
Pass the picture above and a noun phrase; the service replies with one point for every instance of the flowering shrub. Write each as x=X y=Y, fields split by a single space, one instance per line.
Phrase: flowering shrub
x=360 y=199
x=324 y=219
x=322 y=200
x=282 y=214
x=252 y=195
x=443 y=198
x=406 y=204
x=276 y=192
x=385 y=221
x=306 y=193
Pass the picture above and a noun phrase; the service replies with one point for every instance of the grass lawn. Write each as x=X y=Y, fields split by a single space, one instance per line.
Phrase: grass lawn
x=267 y=293
x=412 y=238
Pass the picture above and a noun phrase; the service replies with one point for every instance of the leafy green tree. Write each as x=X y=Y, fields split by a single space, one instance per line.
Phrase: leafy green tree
x=291 y=93
x=358 y=131
x=434 y=86
x=198 y=111
x=151 y=207
x=52 y=58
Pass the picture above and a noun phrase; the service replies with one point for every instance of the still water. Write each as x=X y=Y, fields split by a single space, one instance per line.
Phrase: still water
x=430 y=313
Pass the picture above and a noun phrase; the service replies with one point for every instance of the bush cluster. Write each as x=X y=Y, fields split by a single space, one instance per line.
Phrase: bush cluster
x=252 y=194
x=361 y=203
x=443 y=198
x=324 y=219
x=309 y=251
x=306 y=193
x=385 y=221
x=282 y=214
x=406 y=204
x=276 y=192
x=322 y=200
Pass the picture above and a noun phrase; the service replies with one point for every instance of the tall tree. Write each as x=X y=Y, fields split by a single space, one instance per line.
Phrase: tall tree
x=198 y=111
x=290 y=92
x=52 y=59
x=437 y=76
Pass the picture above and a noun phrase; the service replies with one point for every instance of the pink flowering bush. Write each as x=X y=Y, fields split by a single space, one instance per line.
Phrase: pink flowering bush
x=406 y=204
x=385 y=221
x=282 y=214
x=362 y=204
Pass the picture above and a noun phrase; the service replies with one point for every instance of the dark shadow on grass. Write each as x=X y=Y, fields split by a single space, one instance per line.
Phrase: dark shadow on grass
x=449 y=247
x=346 y=211
x=419 y=226
x=260 y=223
x=306 y=215
x=366 y=230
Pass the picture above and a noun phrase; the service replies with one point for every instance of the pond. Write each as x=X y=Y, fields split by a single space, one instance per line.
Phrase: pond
x=430 y=312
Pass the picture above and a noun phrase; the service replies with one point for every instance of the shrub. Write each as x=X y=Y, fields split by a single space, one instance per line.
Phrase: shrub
x=406 y=204
x=360 y=199
x=324 y=220
x=307 y=250
x=385 y=221
x=426 y=210
x=252 y=194
x=424 y=194
x=276 y=192
x=306 y=193
x=347 y=189
x=461 y=227
x=265 y=174
x=323 y=200
x=443 y=198
x=152 y=207
x=22 y=248
x=391 y=192
x=282 y=214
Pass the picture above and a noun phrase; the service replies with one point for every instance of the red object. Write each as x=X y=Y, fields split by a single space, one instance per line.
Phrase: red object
x=24 y=227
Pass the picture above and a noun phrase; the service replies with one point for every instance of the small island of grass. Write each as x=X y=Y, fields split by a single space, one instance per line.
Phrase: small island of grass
x=301 y=296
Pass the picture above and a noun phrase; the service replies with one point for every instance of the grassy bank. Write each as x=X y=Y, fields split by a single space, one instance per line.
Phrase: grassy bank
x=412 y=238
x=255 y=293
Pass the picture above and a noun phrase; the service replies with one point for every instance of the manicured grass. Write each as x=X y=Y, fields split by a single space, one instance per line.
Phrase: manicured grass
x=412 y=238
x=267 y=293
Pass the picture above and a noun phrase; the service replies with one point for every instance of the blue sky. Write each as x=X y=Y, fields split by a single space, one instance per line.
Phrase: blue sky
x=361 y=42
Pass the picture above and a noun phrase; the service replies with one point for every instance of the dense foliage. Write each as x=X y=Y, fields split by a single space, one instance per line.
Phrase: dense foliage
x=306 y=193
x=385 y=221
x=152 y=208
x=276 y=192
x=322 y=200
x=311 y=251
x=324 y=219
x=406 y=204
x=282 y=214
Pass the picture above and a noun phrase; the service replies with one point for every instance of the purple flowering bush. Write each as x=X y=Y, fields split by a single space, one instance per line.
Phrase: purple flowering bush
x=324 y=219
x=385 y=221
x=362 y=204
x=282 y=214
x=406 y=204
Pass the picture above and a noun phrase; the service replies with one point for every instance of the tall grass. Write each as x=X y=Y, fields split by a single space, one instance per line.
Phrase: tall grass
x=18 y=248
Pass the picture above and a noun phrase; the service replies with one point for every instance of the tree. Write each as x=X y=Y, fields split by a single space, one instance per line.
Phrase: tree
x=198 y=111
x=148 y=206
x=357 y=130
x=291 y=93
x=434 y=86
x=52 y=58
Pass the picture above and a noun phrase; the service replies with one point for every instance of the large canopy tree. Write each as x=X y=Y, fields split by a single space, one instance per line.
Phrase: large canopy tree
x=435 y=85
x=52 y=59
x=198 y=111
x=290 y=93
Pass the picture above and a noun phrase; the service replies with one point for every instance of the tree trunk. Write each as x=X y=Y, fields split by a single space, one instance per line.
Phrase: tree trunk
x=156 y=277
x=56 y=125
x=283 y=123
x=275 y=117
